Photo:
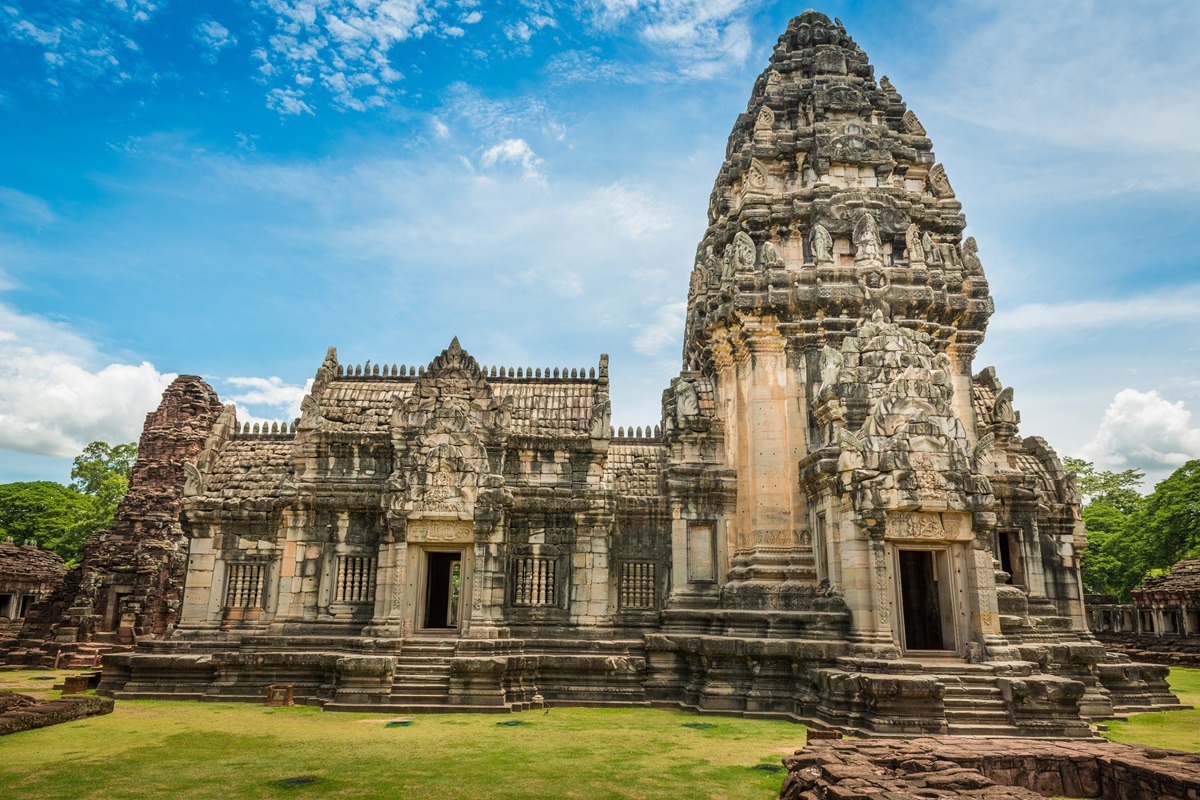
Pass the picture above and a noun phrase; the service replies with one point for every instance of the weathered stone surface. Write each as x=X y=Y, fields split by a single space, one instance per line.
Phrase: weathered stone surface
x=834 y=519
x=932 y=767
x=22 y=713
x=130 y=582
x=27 y=574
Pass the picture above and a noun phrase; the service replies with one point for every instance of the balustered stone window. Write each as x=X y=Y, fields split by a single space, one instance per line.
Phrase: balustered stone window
x=534 y=583
x=356 y=579
x=245 y=586
x=636 y=589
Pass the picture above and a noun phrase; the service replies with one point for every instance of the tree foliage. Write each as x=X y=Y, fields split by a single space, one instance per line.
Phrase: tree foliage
x=61 y=518
x=1131 y=536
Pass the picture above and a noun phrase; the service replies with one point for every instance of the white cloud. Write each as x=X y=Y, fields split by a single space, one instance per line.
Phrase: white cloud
x=214 y=36
x=514 y=151
x=632 y=209
x=288 y=101
x=273 y=393
x=440 y=129
x=509 y=117
x=26 y=207
x=703 y=38
x=665 y=328
x=346 y=44
x=1144 y=429
x=1177 y=305
x=471 y=18
x=1101 y=78
x=92 y=42
x=57 y=393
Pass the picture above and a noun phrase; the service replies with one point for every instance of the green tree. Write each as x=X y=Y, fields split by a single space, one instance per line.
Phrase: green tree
x=1115 y=560
x=61 y=518
x=1170 y=519
x=48 y=514
x=1117 y=489
x=102 y=471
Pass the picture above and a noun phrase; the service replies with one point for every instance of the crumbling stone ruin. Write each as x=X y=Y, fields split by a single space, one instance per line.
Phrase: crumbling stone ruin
x=996 y=769
x=1162 y=624
x=130 y=582
x=27 y=574
x=834 y=520
x=20 y=712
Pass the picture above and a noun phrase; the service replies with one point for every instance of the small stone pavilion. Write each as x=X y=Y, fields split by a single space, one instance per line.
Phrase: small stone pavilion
x=1166 y=605
x=27 y=575
x=1162 y=623
x=834 y=520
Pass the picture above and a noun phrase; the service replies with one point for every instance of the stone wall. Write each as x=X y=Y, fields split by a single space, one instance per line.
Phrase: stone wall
x=998 y=769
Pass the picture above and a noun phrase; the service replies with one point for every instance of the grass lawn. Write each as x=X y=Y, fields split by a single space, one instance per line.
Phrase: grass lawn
x=228 y=751
x=231 y=751
x=1178 y=730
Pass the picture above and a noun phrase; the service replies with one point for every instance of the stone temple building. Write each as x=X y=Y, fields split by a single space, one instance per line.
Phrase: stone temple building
x=27 y=575
x=835 y=519
x=1162 y=623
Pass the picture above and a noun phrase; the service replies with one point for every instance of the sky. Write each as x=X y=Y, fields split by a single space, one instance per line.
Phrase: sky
x=228 y=188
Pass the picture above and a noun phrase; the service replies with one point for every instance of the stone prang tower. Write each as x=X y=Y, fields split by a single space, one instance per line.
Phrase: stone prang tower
x=858 y=481
x=835 y=521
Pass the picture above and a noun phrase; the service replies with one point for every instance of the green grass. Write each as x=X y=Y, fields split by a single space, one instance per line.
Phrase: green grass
x=1177 y=730
x=229 y=751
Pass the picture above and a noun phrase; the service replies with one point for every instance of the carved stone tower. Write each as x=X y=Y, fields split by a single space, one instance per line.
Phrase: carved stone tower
x=833 y=316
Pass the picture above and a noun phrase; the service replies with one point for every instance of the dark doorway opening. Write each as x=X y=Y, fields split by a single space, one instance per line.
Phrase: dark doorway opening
x=1003 y=545
x=443 y=587
x=926 y=625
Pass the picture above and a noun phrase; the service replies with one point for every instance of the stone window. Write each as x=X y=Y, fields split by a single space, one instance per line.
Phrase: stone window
x=356 y=579
x=245 y=587
x=6 y=606
x=637 y=585
x=535 y=584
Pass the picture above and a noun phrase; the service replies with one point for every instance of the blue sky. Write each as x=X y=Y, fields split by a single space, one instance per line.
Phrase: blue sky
x=228 y=188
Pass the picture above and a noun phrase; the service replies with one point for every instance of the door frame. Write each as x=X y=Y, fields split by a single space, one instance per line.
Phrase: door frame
x=419 y=599
x=949 y=585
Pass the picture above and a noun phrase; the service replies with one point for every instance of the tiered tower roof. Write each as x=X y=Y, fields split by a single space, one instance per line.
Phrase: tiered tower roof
x=831 y=206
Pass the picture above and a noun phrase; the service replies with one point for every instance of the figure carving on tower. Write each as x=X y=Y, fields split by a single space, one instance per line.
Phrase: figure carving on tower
x=875 y=290
x=727 y=264
x=769 y=256
x=743 y=252
x=867 y=249
x=687 y=401
x=933 y=255
x=822 y=245
x=970 y=257
x=601 y=422
x=913 y=246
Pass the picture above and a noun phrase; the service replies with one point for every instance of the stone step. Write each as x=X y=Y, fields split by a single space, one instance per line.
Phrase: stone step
x=967 y=704
x=983 y=730
x=431 y=687
x=419 y=708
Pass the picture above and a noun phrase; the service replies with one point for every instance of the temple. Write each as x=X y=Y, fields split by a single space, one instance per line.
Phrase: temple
x=835 y=520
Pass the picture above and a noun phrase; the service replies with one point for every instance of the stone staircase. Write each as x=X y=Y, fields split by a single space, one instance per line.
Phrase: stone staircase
x=86 y=655
x=422 y=676
x=975 y=707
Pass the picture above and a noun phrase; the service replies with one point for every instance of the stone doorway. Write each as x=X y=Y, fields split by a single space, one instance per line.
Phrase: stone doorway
x=443 y=591
x=927 y=612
